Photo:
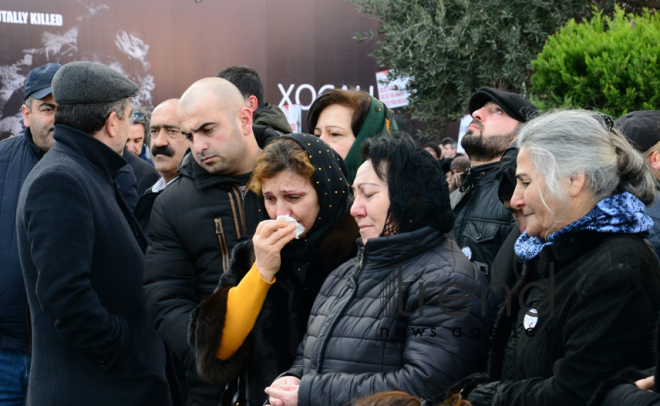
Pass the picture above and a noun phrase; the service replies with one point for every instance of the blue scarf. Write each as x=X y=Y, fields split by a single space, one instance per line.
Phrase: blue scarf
x=623 y=213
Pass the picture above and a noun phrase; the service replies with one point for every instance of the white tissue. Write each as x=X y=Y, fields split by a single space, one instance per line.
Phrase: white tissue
x=291 y=221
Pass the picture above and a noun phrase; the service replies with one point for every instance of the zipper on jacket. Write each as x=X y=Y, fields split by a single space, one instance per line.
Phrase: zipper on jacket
x=360 y=263
x=222 y=239
x=331 y=322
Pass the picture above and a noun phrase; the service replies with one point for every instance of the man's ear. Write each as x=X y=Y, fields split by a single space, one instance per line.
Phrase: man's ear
x=252 y=103
x=654 y=160
x=26 y=115
x=245 y=117
x=111 y=124
x=576 y=183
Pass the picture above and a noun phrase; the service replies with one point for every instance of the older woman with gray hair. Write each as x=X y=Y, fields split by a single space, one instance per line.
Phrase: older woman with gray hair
x=587 y=302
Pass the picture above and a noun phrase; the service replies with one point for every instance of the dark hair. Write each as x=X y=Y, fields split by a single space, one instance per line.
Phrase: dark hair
x=246 y=80
x=449 y=141
x=435 y=147
x=280 y=155
x=90 y=117
x=392 y=398
x=355 y=100
x=139 y=116
x=419 y=194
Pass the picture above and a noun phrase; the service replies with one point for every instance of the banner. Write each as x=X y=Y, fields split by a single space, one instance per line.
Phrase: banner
x=299 y=47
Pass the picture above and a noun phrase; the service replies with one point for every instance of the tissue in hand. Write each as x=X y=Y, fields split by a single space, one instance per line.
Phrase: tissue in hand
x=290 y=220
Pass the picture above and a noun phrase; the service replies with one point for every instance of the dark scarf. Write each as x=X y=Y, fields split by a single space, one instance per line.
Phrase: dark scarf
x=379 y=121
x=332 y=188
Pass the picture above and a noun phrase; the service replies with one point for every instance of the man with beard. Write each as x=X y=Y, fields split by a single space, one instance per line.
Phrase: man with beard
x=18 y=155
x=482 y=222
x=168 y=145
x=197 y=220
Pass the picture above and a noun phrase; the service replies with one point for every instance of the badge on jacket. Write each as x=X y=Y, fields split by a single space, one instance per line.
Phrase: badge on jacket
x=530 y=320
x=468 y=252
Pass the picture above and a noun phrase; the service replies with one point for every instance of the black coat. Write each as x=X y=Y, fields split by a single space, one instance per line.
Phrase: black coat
x=506 y=270
x=606 y=298
x=367 y=332
x=82 y=255
x=145 y=173
x=195 y=222
x=482 y=222
x=271 y=347
x=620 y=390
x=18 y=155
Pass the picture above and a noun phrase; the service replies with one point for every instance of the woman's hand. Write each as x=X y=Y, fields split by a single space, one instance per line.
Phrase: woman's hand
x=268 y=240
x=643 y=384
x=284 y=391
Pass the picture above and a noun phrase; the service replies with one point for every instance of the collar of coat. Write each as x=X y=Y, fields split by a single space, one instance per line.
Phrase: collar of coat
x=82 y=145
x=479 y=174
x=390 y=251
x=30 y=143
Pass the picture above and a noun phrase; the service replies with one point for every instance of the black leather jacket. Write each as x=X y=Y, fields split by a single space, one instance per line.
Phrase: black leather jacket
x=482 y=222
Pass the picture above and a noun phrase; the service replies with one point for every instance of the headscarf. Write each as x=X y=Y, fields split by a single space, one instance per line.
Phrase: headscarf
x=332 y=188
x=379 y=121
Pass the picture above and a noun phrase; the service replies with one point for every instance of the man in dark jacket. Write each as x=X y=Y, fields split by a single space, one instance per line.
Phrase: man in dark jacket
x=18 y=155
x=81 y=250
x=642 y=128
x=168 y=146
x=197 y=220
x=249 y=84
x=482 y=222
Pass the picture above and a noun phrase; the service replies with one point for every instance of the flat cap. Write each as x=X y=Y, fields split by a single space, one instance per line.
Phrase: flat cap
x=513 y=104
x=642 y=128
x=87 y=82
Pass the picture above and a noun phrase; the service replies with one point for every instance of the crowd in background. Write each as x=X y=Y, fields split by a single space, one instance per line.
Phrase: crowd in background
x=202 y=254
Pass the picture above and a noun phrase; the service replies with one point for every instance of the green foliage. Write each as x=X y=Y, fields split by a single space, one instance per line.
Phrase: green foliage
x=451 y=48
x=608 y=63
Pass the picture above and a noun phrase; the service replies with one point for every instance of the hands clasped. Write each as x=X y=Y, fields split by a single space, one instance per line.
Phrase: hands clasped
x=284 y=391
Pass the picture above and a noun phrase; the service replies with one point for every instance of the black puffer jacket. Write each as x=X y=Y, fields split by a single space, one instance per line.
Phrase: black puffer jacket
x=597 y=296
x=195 y=223
x=367 y=332
x=482 y=222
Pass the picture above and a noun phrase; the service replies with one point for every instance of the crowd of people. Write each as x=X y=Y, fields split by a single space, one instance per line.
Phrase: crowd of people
x=202 y=254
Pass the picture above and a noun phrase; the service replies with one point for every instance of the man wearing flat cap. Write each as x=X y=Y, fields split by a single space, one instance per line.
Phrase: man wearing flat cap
x=642 y=129
x=482 y=222
x=82 y=254
x=18 y=155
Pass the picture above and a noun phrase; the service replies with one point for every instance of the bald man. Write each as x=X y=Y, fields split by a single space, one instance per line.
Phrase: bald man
x=199 y=217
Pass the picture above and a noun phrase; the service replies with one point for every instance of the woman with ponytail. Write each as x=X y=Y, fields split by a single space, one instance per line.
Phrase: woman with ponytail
x=587 y=303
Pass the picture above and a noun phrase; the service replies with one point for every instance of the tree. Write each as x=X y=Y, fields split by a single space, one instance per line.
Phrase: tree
x=608 y=63
x=451 y=48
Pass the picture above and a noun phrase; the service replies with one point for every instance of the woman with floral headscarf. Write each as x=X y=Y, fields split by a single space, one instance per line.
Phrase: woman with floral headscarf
x=248 y=331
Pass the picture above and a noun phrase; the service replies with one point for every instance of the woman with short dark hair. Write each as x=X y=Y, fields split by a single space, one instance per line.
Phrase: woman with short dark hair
x=408 y=313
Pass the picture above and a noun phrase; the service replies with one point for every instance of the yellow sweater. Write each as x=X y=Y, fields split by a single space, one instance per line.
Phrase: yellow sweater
x=244 y=303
